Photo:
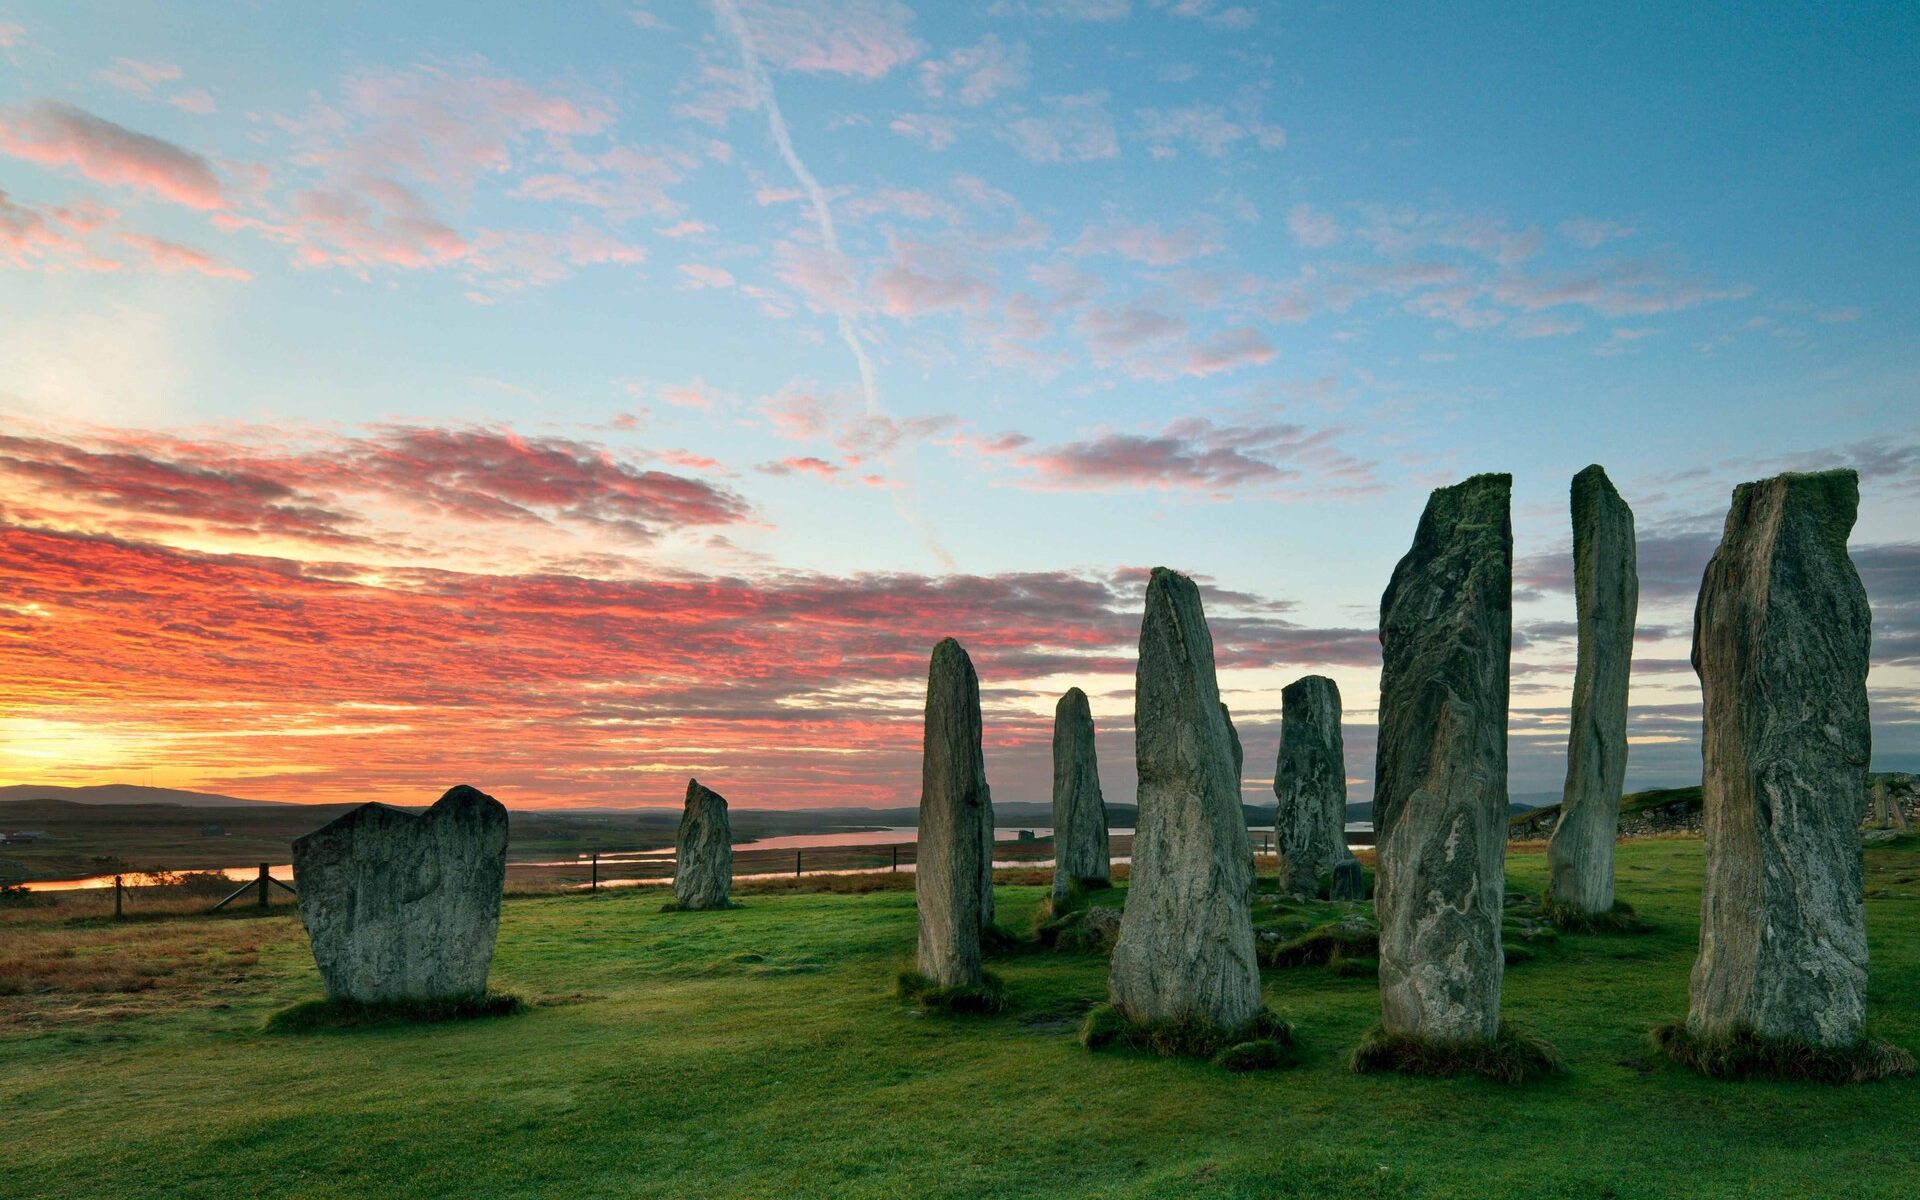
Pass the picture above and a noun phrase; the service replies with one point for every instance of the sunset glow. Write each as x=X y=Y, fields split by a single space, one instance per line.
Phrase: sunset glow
x=569 y=404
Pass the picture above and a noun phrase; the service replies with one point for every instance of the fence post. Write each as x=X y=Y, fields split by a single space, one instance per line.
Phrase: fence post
x=796 y=864
x=896 y=859
x=116 y=898
x=263 y=886
x=596 y=871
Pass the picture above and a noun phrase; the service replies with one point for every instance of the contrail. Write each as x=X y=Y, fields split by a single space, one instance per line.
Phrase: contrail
x=762 y=85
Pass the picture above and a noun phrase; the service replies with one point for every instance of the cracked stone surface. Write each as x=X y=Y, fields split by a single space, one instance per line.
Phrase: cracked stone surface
x=1186 y=947
x=405 y=906
x=1080 y=853
x=1606 y=590
x=954 y=871
x=1781 y=637
x=703 y=850
x=1310 y=783
x=1440 y=795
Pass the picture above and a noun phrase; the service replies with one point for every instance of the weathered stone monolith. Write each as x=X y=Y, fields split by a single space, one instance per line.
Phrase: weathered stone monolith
x=1606 y=592
x=1310 y=782
x=1079 y=812
x=1239 y=752
x=1186 y=949
x=400 y=906
x=1440 y=779
x=703 y=851
x=1780 y=641
x=1349 y=880
x=955 y=823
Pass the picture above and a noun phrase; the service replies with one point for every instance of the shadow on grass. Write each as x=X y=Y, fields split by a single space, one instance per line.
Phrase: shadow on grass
x=674 y=906
x=1746 y=1054
x=1514 y=1055
x=315 y=1016
x=1263 y=1044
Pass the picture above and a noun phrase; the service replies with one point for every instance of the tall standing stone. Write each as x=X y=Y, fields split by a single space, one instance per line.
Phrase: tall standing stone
x=1310 y=782
x=703 y=851
x=1079 y=812
x=955 y=823
x=400 y=906
x=1186 y=950
x=1780 y=642
x=1440 y=778
x=1239 y=753
x=1606 y=591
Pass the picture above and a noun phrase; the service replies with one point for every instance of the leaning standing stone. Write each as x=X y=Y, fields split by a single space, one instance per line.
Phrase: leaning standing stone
x=1310 y=782
x=1606 y=588
x=1186 y=949
x=405 y=907
x=1440 y=791
x=703 y=851
x=1780 y=642
x=955 y=823
x=1079 y=812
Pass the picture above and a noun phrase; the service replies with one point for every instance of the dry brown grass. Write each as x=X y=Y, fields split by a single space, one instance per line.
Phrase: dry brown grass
x=69 y=963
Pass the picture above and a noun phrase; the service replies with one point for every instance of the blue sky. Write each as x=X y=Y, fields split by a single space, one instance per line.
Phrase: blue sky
x=1226 y=288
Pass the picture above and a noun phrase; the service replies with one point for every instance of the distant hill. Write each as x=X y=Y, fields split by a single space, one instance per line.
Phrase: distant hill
x=1516 y=805
x=127 y=793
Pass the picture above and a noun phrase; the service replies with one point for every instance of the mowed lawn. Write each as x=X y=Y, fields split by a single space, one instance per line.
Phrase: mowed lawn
x=760 y=1052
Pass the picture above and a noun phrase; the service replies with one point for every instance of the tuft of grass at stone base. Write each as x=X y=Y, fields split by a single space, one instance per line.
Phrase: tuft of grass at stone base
x=990 y=997
x=316 y=1015
x=1514 y=1055
x=1263 y=1043
x=1747 y=1054
x=1619 y=919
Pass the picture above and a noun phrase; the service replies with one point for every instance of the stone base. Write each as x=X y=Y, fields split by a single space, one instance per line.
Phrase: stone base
x=1513 y=1056
x=316 y=1015
x=1264 y=1043
x=988 y=996
x=1619 y=919
x=674 y=906
x=1745 y=1054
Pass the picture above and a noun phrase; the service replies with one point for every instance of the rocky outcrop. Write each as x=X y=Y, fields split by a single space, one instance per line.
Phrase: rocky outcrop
x=401 y=906
x=956 y=831
x=1186 y=948
x=1080 y=853
x=1606 y=590
x=1310 y=782
x=703 y=851
x=1440 y=792
x=1780 y=642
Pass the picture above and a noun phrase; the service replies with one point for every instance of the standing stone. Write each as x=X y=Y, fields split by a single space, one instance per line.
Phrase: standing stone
x=1349 y=880
x=1239 y=753
x=1780 y=642
x=703 y=851
x=1186 y=950
x=1079 y=812
x=1310 y=781
x=955 y=823
x=1440 y=779
x=1606 y=590
x=401 y=906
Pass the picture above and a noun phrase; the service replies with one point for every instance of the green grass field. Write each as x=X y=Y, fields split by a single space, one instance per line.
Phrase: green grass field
x=760 y=1052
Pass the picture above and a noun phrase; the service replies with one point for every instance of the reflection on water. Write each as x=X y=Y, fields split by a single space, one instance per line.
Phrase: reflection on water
x=661 y=860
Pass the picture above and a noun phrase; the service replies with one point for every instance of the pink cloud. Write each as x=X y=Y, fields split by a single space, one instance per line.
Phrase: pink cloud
x=924 y=279
x=936 y=133
x=1150 y=244
x=1194 y=454
x=163 y=255
x=702 y=275
x=862 y=38
x=52 y=134
x=1313 y=228
x=973 y=75
x=1073 y=129
x=140 y=78
x=802 y=464
x=1227 y=351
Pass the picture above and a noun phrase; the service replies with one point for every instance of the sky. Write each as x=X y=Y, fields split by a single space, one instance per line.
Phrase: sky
x=571 y=402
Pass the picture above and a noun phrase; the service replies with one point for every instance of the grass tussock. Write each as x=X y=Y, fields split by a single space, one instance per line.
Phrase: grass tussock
x=315 y=1016
x=1748 y=1054
x=1620 y=919
x=1346 y=940
x=1264 y=1043
x=997 y=939
x=1514 y=1055
x=674 y=906
x=987 y=997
